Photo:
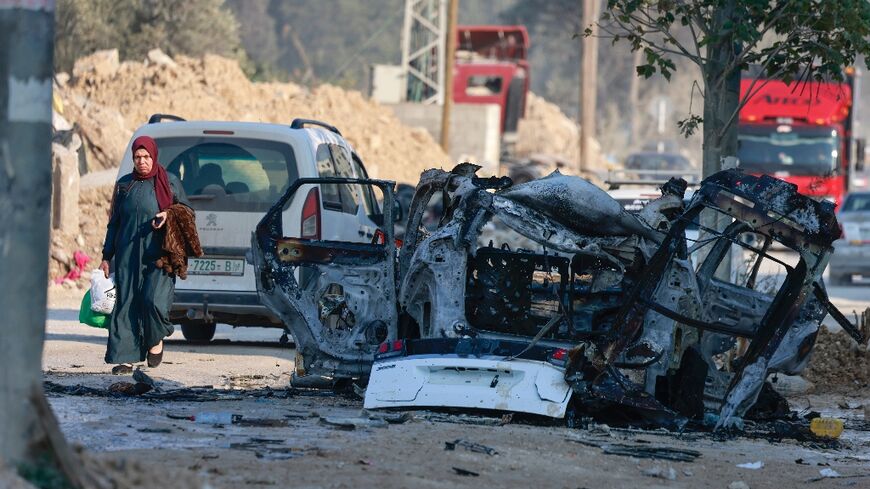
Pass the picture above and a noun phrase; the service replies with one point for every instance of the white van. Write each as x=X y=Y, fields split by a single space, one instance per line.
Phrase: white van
x=233 y=172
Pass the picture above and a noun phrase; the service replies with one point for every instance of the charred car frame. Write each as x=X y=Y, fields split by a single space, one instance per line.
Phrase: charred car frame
x=609 y=308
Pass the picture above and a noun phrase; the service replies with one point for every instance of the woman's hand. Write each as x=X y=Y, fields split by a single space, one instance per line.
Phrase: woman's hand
x=104 y=266
x=159 y=220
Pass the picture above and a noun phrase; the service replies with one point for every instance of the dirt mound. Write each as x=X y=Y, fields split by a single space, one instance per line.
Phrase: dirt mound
x=545 y=129
x=108 y=100
x=94 y=215
x=838 y=363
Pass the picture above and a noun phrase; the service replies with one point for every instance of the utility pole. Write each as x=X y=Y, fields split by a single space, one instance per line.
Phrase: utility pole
x=449 y=61
x=634 y=100
x=588 y=82
x=26 y=67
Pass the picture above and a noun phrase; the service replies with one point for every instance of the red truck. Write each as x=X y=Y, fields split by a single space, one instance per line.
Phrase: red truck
x=491 y=67
x=802 y=133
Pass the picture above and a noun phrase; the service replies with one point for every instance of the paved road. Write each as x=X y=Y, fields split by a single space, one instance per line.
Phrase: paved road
x=302 y=446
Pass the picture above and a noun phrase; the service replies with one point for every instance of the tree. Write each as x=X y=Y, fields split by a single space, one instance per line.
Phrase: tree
x=192 y=27
x=800 y=41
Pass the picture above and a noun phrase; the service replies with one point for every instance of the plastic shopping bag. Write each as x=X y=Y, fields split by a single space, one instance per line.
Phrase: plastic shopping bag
x=102 y=292
x=89 y=317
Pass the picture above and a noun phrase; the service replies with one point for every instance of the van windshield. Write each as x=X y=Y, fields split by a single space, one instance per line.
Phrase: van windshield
x=230 y=174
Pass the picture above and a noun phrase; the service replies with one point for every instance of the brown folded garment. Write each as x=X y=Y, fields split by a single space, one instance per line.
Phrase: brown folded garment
x=179 y=241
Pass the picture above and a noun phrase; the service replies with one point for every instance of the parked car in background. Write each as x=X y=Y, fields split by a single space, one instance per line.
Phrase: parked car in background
x=233 y=172
x=650 y=165
x=850 y=262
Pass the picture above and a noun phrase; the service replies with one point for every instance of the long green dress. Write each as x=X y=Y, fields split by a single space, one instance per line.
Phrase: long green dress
x=144 y=293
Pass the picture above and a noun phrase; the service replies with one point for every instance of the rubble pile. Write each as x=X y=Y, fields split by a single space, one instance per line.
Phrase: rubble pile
x=838 y=362
x=108 y=99
x=94 y=215
x=545 y=129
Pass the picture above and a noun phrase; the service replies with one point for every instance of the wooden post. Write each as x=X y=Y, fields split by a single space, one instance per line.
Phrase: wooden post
x=588 y=83
x=449 y=61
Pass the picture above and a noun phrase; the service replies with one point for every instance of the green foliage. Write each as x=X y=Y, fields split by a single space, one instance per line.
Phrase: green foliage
x=333 y=41
x=689 y=125
x=780 y=36
x=789 y=40
x=192 y=27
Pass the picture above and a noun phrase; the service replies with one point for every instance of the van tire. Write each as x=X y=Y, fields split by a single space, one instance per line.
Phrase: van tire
x=198 y=331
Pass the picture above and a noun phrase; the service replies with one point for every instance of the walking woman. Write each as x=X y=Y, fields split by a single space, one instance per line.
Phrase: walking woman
x=134 y=238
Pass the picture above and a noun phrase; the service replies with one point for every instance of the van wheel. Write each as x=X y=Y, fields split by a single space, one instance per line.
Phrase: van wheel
x=198 y=331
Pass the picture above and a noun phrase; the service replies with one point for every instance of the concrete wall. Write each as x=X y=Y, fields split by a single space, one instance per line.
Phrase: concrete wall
x=474 y=130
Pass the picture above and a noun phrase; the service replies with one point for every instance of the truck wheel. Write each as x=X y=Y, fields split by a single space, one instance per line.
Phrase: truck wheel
x=198 y=331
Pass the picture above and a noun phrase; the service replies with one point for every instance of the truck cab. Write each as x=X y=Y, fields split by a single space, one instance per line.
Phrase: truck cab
x=802 y=133
x=491 y=67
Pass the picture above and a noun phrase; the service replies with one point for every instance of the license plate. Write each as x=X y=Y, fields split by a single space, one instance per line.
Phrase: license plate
x=216 y=266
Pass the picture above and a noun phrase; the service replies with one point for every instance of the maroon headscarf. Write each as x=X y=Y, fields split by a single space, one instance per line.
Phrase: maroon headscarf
x=161 y=183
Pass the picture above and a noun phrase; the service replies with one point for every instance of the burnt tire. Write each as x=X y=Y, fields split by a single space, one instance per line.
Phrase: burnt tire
x=198 y=331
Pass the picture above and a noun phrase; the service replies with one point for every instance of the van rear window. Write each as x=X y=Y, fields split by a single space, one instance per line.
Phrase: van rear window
x=230 y=174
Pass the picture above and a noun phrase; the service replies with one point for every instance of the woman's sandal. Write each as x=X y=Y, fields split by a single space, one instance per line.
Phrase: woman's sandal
x=122 y=369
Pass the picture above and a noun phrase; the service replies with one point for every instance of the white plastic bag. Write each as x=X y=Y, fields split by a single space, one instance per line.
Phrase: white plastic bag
x=102 y=292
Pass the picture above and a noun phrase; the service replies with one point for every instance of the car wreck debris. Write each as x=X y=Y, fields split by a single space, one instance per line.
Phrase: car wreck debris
x=641 y=451
x=602 y=313
x=470 y=446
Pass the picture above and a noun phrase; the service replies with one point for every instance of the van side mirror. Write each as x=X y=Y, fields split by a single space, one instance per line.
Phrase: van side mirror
x=860 y=148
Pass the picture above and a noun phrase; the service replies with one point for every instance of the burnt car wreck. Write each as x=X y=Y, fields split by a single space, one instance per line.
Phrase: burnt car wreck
x=582 y=308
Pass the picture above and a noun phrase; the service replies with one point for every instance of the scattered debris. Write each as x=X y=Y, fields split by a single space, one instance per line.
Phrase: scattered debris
x=129 y=388
x=268 y=449
x=350 y=424
x=845 y=404
x=391 y=418
x=660 y=472
x=460 y=418
x=641 y=451
x=154 y=430
x=464 y=472
x=469 y=446
x=142 y=377
x=827 y=427
x=263 y=422
x=188 y=394
x=833 y=474
x=752 y=465
x=216 y=418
